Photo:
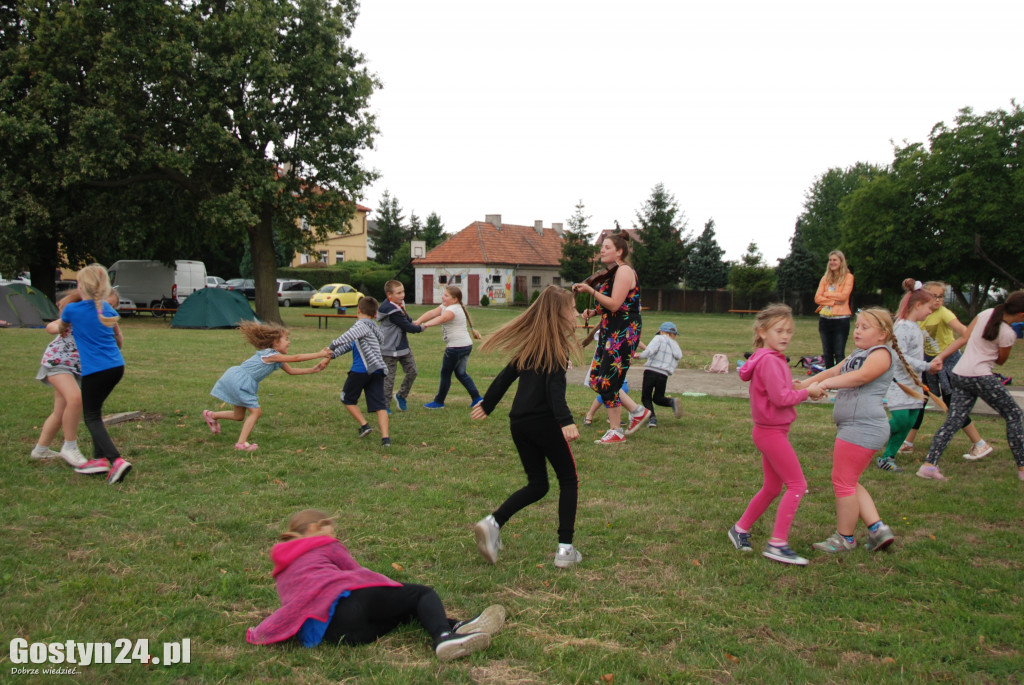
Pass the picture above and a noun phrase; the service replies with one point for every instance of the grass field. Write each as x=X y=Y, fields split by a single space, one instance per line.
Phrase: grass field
x=179 y=550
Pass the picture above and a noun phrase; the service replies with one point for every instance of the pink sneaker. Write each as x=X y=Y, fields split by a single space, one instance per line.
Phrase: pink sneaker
x=101 y=465
x=930 y=471
x=118 y=470
x=637 y=422
x=612 y=437
x=211 y=422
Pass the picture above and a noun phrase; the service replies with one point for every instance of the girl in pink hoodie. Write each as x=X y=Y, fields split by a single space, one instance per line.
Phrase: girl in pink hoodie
x=326 y=596
x=772 y=399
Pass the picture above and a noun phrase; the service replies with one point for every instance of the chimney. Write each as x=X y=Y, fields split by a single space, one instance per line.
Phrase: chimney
x=493 y=219
x=538 y=226
x=558 y=230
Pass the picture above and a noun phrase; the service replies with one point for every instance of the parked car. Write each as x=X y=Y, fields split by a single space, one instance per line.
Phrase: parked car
x=246 y=286
x=125 y=307
x=336 y=295
x=215 y=282
x=290 y=292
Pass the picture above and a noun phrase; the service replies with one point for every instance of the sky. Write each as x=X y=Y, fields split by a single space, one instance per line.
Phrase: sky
x=526 y=108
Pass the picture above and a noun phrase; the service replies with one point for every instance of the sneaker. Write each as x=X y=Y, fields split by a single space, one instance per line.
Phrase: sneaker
x=385 y=442
x=880 y=539
x=454 y=646
x=402 y=406
x=365 y=430
x=637 y=422
x=488 y=538
x=476 y=401
x=976 y=453
x=564 y=558
x=118 y=470
x=677 y=407
x=653 y=423
x=783 y=555
x=434 y=405
x=611 y=437
x=834 y=544
x=740 y=541
x=100 y=465
x=888 y=465
x=930 y=471
x=43 y=453
x=906 y=448
x=489 y=621
x=73 y=456
x=389 y=411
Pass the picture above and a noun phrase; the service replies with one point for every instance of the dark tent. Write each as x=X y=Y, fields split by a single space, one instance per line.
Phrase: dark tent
x=47 y=310
x=213 y=308
x=16 y=310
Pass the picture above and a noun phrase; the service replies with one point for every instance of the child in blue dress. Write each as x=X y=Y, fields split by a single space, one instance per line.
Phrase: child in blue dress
x=239 y=384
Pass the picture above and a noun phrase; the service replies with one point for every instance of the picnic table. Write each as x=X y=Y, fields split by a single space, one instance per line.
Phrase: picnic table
x=327 y=317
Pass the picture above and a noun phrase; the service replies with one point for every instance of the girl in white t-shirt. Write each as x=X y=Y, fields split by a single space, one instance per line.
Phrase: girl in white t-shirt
x=989 y=341
x=455 y=328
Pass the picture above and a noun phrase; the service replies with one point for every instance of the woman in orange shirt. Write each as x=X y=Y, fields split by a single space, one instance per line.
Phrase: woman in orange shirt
x=833 y=300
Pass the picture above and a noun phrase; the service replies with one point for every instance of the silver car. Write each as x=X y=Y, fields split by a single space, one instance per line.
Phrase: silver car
x=291 y=292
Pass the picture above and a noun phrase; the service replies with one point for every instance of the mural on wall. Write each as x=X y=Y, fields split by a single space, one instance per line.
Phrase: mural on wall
x=500 y=292
x=444 y=278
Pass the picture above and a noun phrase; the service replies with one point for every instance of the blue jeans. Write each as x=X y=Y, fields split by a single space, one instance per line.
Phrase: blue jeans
x=834 y=333
x=455 y=359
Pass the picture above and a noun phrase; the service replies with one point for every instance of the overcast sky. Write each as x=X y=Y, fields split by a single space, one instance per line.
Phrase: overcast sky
x=525 y=108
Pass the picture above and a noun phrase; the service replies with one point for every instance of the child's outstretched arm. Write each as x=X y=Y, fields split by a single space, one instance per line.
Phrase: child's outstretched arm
x=292 y=371
x=877 y=363
x=308 y=356
x=428 y=315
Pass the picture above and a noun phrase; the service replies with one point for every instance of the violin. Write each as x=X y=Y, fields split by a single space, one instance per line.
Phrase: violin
x=594 y=280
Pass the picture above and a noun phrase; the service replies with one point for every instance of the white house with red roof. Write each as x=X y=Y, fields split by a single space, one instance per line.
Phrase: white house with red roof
x=491 y=258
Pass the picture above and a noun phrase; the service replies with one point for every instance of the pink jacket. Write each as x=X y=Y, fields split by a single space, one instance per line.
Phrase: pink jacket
x=311 y=573
x=772 y=396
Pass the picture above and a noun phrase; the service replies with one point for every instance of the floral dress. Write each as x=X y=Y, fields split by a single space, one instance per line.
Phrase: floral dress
x=618 y=338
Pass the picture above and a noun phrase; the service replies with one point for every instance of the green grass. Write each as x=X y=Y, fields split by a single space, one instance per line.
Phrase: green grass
x=180 y=549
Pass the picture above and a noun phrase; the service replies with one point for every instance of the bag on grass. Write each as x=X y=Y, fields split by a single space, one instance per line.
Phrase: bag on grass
x=719 y=364
x=812 y=365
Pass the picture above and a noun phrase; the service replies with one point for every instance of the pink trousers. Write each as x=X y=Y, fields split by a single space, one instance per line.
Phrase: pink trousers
x=781 y=467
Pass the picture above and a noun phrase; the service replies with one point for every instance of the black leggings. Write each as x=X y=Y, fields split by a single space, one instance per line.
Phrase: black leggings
x=653 y=392
x=372 y=612
x=96 y=387
x=539 y=442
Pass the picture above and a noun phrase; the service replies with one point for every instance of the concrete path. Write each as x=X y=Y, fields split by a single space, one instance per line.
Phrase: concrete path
x=727 y=384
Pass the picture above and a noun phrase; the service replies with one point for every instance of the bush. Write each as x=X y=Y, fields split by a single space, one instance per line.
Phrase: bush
x=519 y=297
x=533 y=298
x=484 y=301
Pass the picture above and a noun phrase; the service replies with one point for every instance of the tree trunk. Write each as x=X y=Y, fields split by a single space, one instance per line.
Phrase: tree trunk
x=43 y=265
x=264 y=268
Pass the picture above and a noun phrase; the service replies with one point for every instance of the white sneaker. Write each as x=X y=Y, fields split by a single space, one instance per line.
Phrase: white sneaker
x=976 y=452
x=611 y=437
x=456 y=646
x=564 y=558
x=488 y=538
x=489 y=621
x=73 y=456
x=44 y=453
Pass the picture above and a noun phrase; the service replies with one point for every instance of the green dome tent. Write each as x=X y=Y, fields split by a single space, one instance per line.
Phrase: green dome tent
x=47 y=310
x=213 y=308
x=17 y=311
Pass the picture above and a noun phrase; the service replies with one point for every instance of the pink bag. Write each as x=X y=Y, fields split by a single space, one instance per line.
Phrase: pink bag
x=719 y=364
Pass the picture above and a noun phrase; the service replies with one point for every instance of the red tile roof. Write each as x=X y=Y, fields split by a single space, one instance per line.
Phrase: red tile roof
x=482 y=243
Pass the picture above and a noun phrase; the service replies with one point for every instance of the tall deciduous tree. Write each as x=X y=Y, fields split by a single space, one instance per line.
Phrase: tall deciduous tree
x=433 y=232
x=821 y=217
x=660 y=256
x=390 y=232
x=799 y=271
x=578 y=249
x=922 y=217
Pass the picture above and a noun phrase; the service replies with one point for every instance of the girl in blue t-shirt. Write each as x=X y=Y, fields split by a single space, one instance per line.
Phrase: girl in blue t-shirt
x=94 y=322
x=239 y=384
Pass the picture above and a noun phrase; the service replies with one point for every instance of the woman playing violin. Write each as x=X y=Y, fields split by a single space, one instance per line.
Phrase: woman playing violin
x=617 y=300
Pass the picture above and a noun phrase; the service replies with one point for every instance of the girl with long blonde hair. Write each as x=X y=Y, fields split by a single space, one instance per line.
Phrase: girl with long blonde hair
x=94 y=322
x=833 y=300
x=540 y=343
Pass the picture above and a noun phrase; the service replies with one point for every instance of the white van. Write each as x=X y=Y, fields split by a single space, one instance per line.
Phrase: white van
x=149 y=283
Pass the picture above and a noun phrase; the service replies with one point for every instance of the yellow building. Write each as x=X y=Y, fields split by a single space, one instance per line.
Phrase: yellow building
x=339 y=247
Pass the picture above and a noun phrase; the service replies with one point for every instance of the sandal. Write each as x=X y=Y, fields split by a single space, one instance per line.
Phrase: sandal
x=246 y=446
x=588 y=422
x=211 y=422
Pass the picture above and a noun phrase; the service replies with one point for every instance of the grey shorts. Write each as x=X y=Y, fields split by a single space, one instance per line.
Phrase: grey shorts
x=45 y=372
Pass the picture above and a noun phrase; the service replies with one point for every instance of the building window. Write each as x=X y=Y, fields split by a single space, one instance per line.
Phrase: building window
x=442 y=279
x=305 y=224
x=457 y=279
x=339 y=256
x=323 y=256
x=556 y=281
x=496 y=279
x=535 y=281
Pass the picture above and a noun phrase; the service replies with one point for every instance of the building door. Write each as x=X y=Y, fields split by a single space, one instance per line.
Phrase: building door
x=521 y=288
x=474 y=289
x=428 y=289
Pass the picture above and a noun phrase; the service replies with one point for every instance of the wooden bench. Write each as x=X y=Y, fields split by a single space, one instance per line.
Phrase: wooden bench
x=326 y=317
x=744 y=311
